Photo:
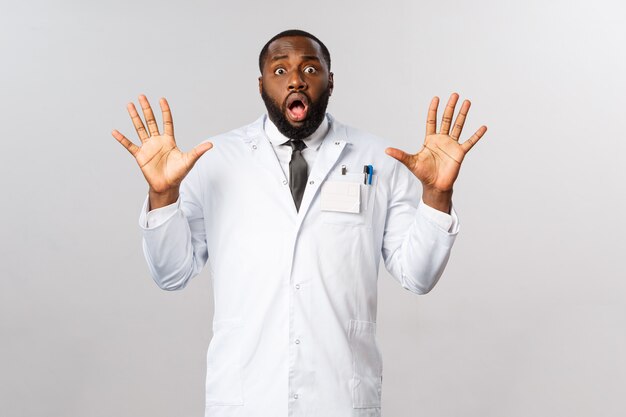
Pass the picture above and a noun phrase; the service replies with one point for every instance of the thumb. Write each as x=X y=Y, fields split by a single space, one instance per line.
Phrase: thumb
x=197 y=152
x=401 y=156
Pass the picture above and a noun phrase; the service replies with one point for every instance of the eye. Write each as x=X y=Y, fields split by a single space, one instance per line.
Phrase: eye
x=279 y=71
x=310 y=70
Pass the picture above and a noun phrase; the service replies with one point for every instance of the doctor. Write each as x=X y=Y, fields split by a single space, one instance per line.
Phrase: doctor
x=292 y=213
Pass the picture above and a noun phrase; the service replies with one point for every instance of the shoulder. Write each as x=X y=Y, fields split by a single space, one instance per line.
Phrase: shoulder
x=239 y=135
x=367 y=147
x=232 y=143
x=361 y=137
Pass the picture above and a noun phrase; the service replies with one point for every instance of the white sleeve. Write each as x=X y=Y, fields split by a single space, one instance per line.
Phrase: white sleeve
x=417 y=239
x=156 y=217
x=174 y=237
x=447 y=222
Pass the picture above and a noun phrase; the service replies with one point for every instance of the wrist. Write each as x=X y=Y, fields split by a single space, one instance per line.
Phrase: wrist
x=440 y=200
x=162 y=199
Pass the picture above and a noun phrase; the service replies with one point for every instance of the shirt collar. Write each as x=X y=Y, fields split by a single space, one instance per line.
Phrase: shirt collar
x=313 y=141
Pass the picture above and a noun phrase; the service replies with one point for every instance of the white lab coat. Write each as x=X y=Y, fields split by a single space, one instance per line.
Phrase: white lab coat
x=295 y=293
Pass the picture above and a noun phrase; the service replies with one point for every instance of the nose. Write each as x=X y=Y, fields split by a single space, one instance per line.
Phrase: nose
x=296 y=82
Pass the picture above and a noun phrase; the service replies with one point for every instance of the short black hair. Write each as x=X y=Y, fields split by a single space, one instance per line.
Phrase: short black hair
x=293 y=32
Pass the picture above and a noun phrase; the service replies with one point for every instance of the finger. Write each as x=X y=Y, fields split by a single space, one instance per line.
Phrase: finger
x=448 y=113
x=147 y=113
x=460 y=120
x=168 y=123
x=137 y=122
x=468 y=144
x=401 y=156
x=131 y=147
x=193 y=155
x=431 y=119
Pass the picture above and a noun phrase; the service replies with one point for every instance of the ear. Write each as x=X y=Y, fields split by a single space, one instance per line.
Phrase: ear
x=260 y=83
x=331 y=82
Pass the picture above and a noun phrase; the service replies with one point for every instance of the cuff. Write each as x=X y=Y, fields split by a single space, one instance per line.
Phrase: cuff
x=155 y=218
x=447 y=222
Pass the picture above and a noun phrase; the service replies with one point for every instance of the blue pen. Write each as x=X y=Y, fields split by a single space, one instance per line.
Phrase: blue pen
x=370 y=172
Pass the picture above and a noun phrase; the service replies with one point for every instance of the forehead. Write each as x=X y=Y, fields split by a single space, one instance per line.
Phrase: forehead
x=294 y=45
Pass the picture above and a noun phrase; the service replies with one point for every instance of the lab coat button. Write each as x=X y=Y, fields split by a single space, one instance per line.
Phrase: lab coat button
x=297 y=286
x=284 y=182
x=297 y=341
x=337 y=143
x=311 y=182
x=253 y=146
x=295 y=396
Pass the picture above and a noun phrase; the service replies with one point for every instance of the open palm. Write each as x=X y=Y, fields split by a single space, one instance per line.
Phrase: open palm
x=162 y=163
x=438 y=163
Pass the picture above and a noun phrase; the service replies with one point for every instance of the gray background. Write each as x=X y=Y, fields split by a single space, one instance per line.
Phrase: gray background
x=529 y=318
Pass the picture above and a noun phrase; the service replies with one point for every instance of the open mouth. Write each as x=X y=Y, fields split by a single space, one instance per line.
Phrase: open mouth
x=297 y=107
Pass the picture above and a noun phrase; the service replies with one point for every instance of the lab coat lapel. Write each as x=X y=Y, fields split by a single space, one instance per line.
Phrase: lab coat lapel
x=263 y=156
x=329 y=152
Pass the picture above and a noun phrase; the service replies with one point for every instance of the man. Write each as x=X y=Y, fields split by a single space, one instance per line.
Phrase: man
x=293 y=213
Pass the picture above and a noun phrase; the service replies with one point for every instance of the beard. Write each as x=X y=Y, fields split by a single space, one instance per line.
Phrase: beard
x=315 y=116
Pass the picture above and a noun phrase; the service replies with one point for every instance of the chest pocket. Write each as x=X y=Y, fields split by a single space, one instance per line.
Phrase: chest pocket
x=368 y=194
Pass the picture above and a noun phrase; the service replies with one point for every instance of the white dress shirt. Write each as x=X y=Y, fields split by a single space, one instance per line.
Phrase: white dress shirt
x=295 y=291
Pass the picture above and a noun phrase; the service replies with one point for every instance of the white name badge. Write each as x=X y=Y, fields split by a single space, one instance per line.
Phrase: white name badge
x=341 y=196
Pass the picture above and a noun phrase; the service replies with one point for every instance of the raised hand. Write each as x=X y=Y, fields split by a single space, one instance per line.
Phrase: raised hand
x=163 y=165
x=438 y=163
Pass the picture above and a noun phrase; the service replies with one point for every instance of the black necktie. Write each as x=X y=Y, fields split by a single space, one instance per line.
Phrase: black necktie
x=297 y=171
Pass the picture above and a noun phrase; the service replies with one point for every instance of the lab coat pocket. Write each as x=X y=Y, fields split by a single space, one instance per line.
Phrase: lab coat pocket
x=224 y=383
x=366 y=382
x=366 y=203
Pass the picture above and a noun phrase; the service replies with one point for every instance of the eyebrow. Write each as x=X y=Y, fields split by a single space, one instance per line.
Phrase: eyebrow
x=311 y=57
x=308 y=57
